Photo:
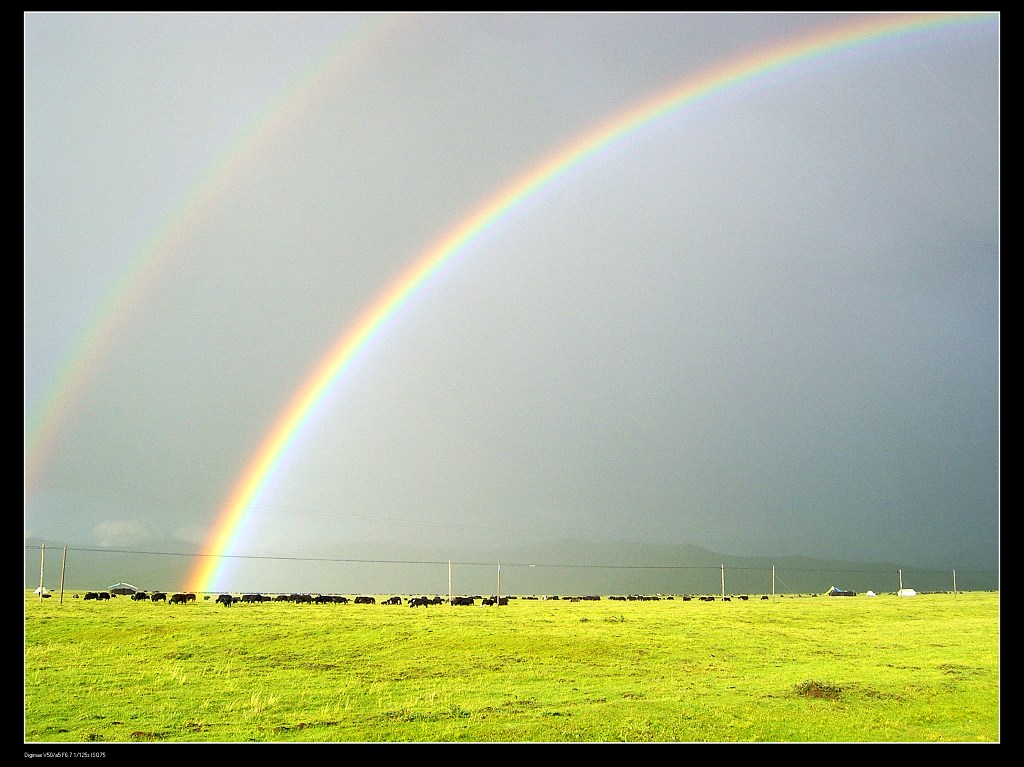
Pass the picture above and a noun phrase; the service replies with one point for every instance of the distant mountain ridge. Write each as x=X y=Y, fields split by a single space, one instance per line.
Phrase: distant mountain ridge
x=554 y=567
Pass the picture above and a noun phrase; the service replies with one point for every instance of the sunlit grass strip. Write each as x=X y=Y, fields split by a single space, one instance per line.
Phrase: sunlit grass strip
x=799 y=670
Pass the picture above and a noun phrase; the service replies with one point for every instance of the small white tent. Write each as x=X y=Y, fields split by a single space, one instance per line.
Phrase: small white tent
x=42 y=590
x=906 y=593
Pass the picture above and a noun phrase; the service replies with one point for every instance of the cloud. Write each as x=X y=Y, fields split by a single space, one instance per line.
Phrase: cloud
x=116 y=533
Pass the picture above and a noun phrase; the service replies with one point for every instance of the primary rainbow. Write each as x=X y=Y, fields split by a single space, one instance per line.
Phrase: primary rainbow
x=231 y=519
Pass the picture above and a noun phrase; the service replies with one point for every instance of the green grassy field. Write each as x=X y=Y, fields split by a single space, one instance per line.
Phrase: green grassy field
x=788 y=669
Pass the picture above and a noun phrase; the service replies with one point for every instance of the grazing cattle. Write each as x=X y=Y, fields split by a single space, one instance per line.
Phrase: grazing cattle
x=253 y=598
x=419 y=602
x=744 y=597
x=687 y=599
x=392 y=601
x=91 y=595
x=225 y=599
x=365 y=601
x=138 y=596
x=190 y=597
x=726 y=599
x=158 y=596
x=103 y=595
x=177 y=599
x=323 y=599
x=301 y=598
x=463 y=601
x=765 y=596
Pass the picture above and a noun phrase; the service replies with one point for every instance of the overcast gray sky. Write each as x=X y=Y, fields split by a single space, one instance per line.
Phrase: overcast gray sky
x=766 y=325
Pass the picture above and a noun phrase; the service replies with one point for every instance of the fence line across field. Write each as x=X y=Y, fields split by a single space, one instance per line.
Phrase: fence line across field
x=770 y=573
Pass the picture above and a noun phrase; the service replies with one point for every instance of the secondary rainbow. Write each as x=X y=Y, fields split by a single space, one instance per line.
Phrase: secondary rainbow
x=44 y=423
x=230 y=522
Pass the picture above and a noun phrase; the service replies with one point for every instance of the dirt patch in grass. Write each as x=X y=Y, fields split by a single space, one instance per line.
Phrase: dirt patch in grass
x=814 y=689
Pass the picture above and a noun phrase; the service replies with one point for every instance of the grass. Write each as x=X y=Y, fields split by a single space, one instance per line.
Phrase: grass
x=862 y=669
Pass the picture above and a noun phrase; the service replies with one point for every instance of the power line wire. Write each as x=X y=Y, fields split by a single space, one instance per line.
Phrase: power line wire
x=581 y=566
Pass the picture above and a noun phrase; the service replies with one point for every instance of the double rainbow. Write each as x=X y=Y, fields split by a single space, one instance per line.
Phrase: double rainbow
x=753 y=69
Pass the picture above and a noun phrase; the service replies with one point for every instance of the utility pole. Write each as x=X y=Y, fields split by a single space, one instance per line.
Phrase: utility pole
x=63 y=563
x=773 y=580
x=901 y=579
x=449 y=581
x=723 y=579
x=954 y=582
x=42 y=557
x=498 y=592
